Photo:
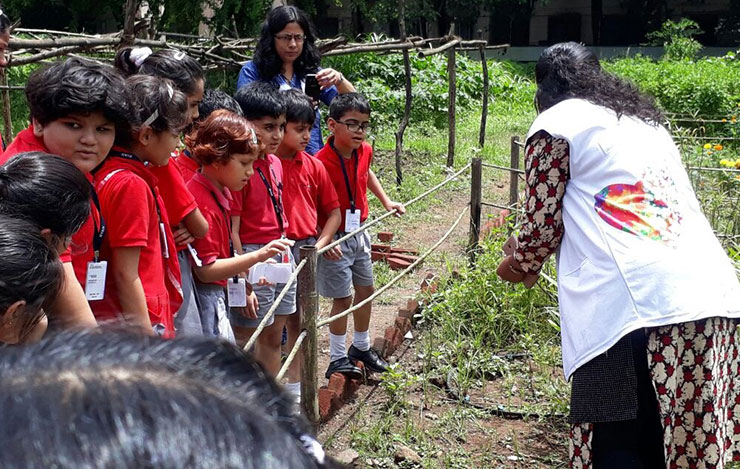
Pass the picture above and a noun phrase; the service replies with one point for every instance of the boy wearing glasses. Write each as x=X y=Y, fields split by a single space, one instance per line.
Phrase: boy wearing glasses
x=347 y=158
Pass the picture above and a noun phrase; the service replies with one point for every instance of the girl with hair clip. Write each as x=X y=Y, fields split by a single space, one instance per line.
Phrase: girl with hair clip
x=186 y=218
x=143 y=281
x=649 y=302
x=31 y=277
x=285 y=54
x=226 y=146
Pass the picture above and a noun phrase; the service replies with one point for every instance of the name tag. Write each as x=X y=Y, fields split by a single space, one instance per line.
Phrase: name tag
x=237 y=292
x=95 y=280
x=194 y=255
x=165 y=248
x=351 y=220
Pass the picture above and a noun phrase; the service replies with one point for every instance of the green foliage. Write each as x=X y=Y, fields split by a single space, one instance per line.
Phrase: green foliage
x=678 y=39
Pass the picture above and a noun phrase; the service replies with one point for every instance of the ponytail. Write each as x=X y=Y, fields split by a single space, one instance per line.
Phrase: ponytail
x=175 y=65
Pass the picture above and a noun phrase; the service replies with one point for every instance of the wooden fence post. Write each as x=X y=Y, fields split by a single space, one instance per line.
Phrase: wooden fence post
x=309 y=299
x=7 y=120
x=129 y=23
x=451 y=73
x=513 y=176
x=476 y=172
x=484 y=111
x=407 y=106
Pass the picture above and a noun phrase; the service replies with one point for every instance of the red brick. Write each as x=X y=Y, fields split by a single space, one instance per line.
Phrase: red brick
x=338 y=383
x=406 y=313
x=326 y=396
x=390 y=331
x=413 y=306
x=405 y=257
x=403 y=325
x=353 y=385
x=397 y=338
x=390 y=349
x=397 y=263
x=385 y=236
x=381 y=247
x=412 y=252
x=378 y=256
x=379 y=344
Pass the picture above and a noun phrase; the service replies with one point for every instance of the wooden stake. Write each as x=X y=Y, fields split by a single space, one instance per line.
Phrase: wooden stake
x=451 y=73
x=7 y=122
x=513 y=176
x=476 y=172
x=309 y=298
x=129 y=23
x=484 y=111
x=407 y=106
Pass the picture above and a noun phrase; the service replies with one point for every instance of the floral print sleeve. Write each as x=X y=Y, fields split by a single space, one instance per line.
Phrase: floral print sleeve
x=547 y=173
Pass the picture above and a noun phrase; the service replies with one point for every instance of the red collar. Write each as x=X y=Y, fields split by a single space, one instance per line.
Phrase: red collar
x=223 y=197
x=135 y=165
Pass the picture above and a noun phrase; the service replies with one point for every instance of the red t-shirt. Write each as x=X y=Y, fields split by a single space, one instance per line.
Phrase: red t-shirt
x=308 y=191
x=358 y=172
x=259 y=222
x=80 y=250
x=215 y=206
x=128 y=200
x=178 y=201
x=188 y=166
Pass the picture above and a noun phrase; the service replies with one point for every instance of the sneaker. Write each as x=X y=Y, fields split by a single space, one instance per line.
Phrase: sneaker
x=370 y=358
x=344 y=366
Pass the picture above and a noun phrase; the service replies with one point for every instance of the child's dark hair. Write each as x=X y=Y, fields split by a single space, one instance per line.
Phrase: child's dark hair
x=220 y=136
x=155 y=102
x=298 y=107
x=260 y=99
x=266 y=59
x=76 y=86
x=31 y=271
x=4 y=20
x=214 y=100
x=183 y=70
x=47 y=190
x=347 y=102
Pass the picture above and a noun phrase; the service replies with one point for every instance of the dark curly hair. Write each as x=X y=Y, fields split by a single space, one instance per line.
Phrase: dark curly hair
x=569 y=70
x=183 y=70
x=221 y=135
x=265 y=58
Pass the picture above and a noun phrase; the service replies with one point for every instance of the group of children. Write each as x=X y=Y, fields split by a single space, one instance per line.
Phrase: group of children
x=133 y=227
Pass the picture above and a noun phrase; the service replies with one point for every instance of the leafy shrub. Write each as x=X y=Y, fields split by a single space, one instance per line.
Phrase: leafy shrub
x=678 y=39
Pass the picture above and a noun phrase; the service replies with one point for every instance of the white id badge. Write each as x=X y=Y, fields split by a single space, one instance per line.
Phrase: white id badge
x=95 y=280
x=237 y=292
x=165 y=248
x=194 y=255
x=351 y=220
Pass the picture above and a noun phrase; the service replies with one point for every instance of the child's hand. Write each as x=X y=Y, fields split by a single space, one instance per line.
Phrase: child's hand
x=333 y=254
x=396 y=206
x=182 y=235
x=262 y=282
x=274 y=247
x=253 y=305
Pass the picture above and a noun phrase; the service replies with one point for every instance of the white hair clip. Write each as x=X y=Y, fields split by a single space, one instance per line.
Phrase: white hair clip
x=139 y=55
x=179 y=55
x=151 y=118
x=254 y=137
x=170 y=91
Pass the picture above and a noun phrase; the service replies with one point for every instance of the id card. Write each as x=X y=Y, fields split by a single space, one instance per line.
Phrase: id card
x=237 y=292
x=165 y=248
x=351 y=220
x=95 y=280
x=194 y=255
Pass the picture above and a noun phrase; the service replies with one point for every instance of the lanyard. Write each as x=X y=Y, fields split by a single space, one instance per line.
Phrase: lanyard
x=99 y=232
x=277 y=204
x=351 y=194
x=232 y=252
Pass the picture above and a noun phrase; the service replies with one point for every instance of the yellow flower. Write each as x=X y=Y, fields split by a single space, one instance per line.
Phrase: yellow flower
x=725 y=120
x=707 y=146
x=718 y=147
x=709 y=152
x=733 y=120
x=724 y=162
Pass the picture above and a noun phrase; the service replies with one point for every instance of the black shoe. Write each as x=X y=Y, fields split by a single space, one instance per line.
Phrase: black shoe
x=344 y=366
x=370 y=358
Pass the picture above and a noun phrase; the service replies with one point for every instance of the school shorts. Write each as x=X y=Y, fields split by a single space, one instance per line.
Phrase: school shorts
x=266 y=296
x=354 y=268
x=210 y=297
x=188 y=320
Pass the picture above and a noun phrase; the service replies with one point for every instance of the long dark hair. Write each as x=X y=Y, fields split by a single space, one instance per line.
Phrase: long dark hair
x=265 y=57
x=569 y=70
x=183 y=70
x=4 y=20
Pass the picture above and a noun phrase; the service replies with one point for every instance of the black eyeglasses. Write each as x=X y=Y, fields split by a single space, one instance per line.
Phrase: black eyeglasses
x=353 y=126
x=298 y=38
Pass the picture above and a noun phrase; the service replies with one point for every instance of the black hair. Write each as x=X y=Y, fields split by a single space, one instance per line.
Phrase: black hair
x=46 y=190
x=149 y=95
x=298 y=107
x=260 y=99
x=4 y=20
x=569 y=70
x=265 y=58
x=138 y=401
x=31 y=271
x=77 y=86
x=347 y=102
x=183 y=70
x=214 y=100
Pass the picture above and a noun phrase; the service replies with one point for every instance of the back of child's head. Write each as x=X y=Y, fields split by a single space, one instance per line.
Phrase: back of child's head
x=213 y=100
x=76 y=86
x=138 y=401
x=219 y=136
x=260 y=99
x=4 y=21
x=155 y=103
x=46 y=190
x=31 y=271
x=348 y=102
x=183 y=70
x=298 y=107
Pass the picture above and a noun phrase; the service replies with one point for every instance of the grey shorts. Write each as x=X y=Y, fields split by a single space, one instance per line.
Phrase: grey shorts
x=209 y=297
x=354 y=268
x=266 y=296
x=188 y=320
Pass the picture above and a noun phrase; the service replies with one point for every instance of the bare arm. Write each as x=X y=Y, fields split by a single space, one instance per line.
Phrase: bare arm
x=328 y=77
x=70 y=308
x=130 y=289
x=222 y=269
x=235 y=223
x=196 y=223
x=330 y=227
x=376 y=188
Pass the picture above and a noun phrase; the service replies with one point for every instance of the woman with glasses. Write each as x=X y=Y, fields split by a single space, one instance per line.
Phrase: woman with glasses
x=285 y=54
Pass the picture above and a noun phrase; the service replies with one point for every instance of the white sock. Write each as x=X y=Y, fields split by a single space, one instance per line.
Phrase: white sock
x=337 y=346
x=295 y=390
x=361 y=341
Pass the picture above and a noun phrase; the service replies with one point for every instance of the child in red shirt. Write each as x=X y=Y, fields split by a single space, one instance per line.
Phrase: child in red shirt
x=143 y=280
x=308 y=191
x=225 y=144
x=76 y=108
x=347 y=158
x=182 y=210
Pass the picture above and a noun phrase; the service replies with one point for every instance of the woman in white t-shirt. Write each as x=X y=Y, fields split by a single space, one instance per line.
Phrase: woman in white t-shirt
x=648 y=298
